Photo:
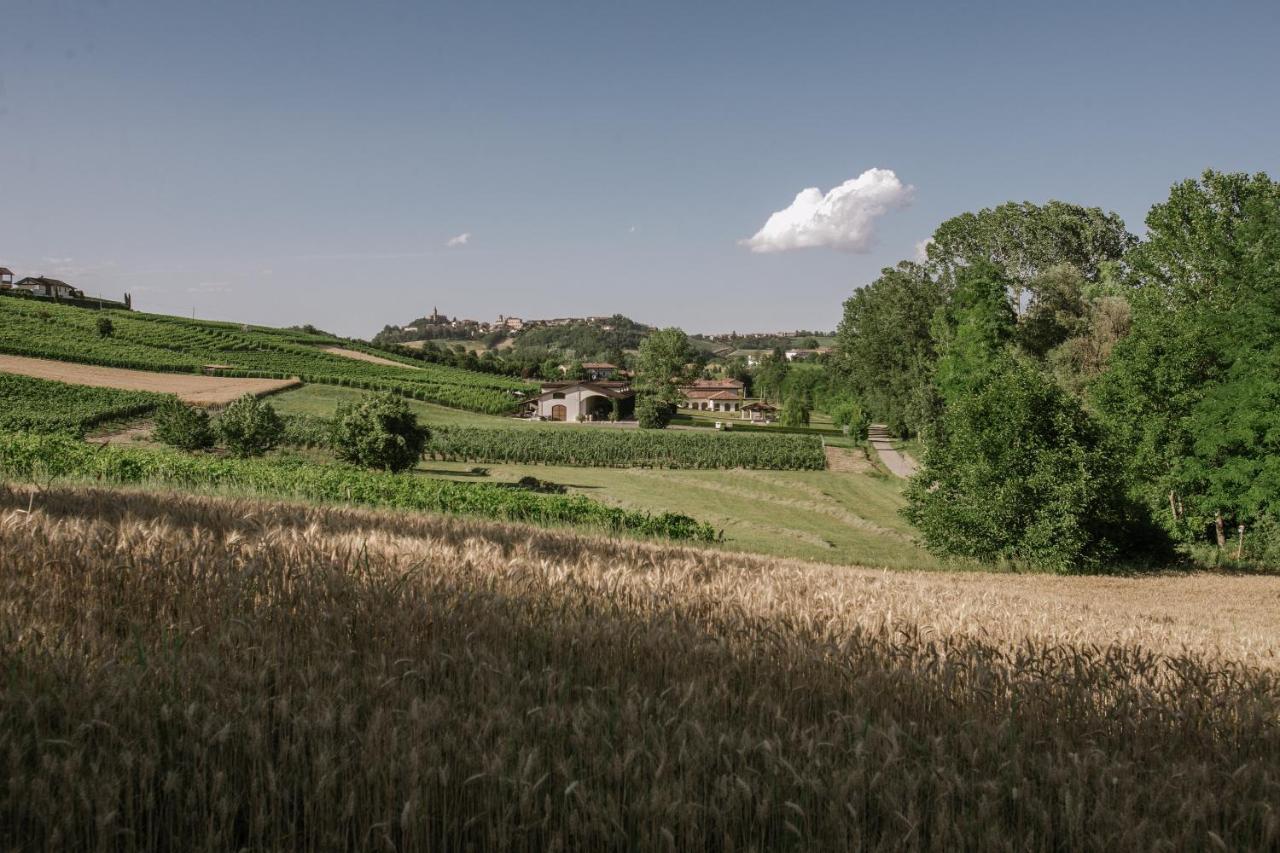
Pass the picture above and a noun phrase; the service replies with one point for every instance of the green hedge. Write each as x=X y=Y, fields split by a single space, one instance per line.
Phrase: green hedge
x=26 y=456
x=624 y=448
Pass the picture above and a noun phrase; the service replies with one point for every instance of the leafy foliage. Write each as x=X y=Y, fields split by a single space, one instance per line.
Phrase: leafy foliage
x=661 y=365
x=652 y=412
x=105 y=327
x=1020 y=472
x=379 y=432
x=886 y=351
x=1194 y=388
x=250 y=427
x=184 y=427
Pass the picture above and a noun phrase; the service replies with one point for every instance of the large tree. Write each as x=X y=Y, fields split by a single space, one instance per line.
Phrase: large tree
x=1026 y=240
x=1194 y=390
x=661 y=365
x=885 y=348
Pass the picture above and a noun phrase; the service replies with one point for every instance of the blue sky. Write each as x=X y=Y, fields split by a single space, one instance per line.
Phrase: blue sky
x=286 y=162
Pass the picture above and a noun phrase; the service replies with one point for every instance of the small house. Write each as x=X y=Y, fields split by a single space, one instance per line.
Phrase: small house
x=759 y=411
x=599 y=370
x=581 y=401
x=51 y=288
x=6 y=278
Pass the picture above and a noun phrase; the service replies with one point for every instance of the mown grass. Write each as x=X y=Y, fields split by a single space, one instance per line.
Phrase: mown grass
x=183 y=673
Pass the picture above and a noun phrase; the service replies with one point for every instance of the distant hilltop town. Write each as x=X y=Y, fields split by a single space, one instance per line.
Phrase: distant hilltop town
x=437 y=326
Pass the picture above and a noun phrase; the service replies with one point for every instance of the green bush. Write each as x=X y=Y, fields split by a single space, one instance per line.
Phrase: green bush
x=794 y=412
x=1020 y=472
x=379 y=431
x=182 y=426
x=250 y=427
x=652 y=413
x=105 y=327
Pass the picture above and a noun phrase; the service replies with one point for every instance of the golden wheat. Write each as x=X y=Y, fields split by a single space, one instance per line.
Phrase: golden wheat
x=188 y=672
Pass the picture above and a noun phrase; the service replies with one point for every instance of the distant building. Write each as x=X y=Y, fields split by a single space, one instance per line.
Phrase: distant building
x=581 y=401
x=714 y=395
x=515 y=324
x=6 y=278
x=597 y=370
x=48 y=287
x=806 y=354
x=760 y=412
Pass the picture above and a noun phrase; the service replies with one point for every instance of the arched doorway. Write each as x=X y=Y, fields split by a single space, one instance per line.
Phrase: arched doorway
x=558 y=412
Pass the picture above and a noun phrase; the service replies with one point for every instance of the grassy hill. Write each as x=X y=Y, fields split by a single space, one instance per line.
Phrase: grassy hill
x=165 y=343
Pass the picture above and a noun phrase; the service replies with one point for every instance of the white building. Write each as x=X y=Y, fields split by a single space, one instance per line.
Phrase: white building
x=580 y=401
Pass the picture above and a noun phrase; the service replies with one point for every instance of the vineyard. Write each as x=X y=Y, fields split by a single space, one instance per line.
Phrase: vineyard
x=39 y=405
x=27 y=456
x=625 y=448
x=175 y=344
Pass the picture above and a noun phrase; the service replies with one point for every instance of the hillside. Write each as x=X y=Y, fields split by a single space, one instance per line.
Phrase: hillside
x=156 y=342
x=186 y=672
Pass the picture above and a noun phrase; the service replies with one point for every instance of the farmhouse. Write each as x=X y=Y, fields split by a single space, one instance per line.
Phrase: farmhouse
x=6 y=278
x=598 y=370
x=714 y=395
x=49 y=287
x=581 y=401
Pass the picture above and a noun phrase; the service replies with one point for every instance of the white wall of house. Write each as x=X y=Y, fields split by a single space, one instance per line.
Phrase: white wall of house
x=574 y=401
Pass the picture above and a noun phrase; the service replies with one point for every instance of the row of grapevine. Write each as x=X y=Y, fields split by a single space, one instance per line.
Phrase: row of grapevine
x=618 y=448
x=153 y=342
x=33 y=456
x=40 y=405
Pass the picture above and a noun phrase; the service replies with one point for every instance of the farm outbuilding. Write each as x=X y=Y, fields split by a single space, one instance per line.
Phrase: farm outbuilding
x=581 y=401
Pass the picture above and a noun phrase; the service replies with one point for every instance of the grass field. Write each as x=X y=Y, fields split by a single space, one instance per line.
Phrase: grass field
x=835 y=517
x=189 y=673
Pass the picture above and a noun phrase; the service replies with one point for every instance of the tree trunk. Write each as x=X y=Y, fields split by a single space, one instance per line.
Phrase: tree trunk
x=1220 y=529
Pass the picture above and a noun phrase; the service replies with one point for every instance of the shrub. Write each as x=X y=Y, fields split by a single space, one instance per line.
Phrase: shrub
x=250 y=427
x=182 y=426
x=105 y=327
x=379 y=432
x=1019 y=471
x=794 y=412
x=652 y=413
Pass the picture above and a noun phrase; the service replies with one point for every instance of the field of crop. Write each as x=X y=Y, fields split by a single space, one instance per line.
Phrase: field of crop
x=49 y=457
x=627 y=448
x=162 y=343
x=184 y=672
x=39 y=405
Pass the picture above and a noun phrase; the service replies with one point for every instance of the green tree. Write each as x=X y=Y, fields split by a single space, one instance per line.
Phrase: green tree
x=660 y=364
x=1025 y=240
x=795 y=411
x=885 y=351
x=105 y=327
x=770 y=378
x=652 y=413
x=379 y=431
x=1020 y=472
x=182 y=426
x=1192 y=390
x=973 y=332
x=250 y=426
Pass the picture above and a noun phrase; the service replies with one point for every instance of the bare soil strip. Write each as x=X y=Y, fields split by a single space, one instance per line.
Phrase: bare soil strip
x=189 y=387
x=364 y=356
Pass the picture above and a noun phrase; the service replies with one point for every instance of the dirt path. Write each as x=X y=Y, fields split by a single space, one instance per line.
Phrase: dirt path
x=190 y=387
x=364 y=356
x=846 y=460
x=899 y=464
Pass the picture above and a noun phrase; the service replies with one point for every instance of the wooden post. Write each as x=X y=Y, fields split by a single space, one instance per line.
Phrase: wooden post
x=1240 y=544
x=1220 y=529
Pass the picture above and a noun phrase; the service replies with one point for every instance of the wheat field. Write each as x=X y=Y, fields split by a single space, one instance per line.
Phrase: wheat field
x=199 y=673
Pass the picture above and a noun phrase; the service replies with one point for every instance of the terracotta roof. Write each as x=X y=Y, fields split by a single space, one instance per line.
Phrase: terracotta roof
x=612 y=390
x=712 y=395
x=599 y=365
x=717 y=383
x=761 y=405
x=5 y=271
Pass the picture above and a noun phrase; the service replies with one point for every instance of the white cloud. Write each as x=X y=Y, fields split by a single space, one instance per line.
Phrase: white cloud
x=842 y=219
x=460 y=240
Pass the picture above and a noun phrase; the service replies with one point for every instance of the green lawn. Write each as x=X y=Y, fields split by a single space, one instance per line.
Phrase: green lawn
x=836 y=517
x=323 y=400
